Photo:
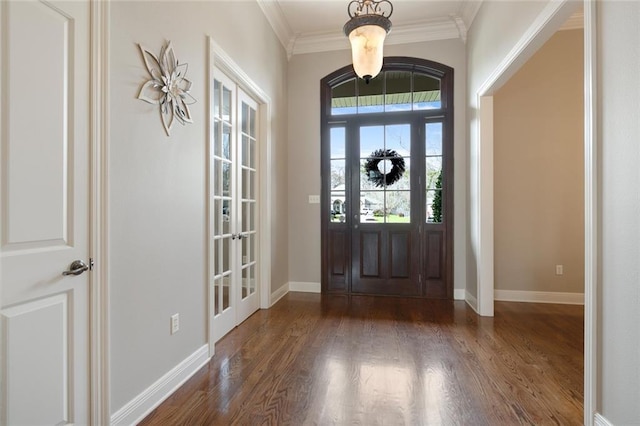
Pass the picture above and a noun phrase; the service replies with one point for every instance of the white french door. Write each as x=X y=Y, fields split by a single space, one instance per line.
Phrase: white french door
x=233 y=207
x=44 y=197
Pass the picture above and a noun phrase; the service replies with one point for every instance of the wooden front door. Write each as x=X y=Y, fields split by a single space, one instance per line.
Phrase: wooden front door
x=387 y=187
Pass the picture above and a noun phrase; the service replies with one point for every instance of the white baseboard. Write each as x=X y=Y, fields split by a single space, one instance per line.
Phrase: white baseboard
x=599 y=420
x=459 y=294
x=304 y=287
x=136 y=409
x=279 y=293
x=471 y=301
x=539 y=297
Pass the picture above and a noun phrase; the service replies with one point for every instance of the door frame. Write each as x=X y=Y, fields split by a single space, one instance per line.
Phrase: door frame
x=549 y=20
x=99 y=409
x=218 y=58
x=98 y=344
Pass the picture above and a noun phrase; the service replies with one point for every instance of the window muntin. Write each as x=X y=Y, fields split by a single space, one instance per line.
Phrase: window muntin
x=390 y=91
x=382 y=202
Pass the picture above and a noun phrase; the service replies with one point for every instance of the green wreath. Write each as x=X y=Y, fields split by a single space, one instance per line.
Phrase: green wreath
x=378 y=178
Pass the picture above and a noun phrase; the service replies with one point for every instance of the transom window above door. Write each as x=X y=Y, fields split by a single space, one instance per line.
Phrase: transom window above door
x=390 y=91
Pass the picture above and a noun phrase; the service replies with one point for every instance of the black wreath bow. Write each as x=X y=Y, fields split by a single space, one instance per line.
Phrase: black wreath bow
x=378 y=178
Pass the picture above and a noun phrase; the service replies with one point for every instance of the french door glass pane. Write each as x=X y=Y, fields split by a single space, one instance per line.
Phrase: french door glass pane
x=434 y=206
x=398 y=207
x=338 y=206
x=226 y=179
x=338 y=174
x=245 y=150
x=216 y=99
x=372 y=206
x=433 y=170
x=398 y=138
x=226 y=215
x=245 y=118
x=433 y=132
x=385 y=182
x=217 y=141
x=225 y=290
x=371 y=140
x=253 y=126
x=226 y=104
x=226 y=141
x=338 y=150
x=217 y=296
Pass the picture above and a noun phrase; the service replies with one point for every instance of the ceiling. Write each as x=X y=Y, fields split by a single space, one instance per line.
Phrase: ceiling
x=305 y=26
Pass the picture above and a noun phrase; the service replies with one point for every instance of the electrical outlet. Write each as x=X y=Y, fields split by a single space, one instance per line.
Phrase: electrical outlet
x=175 y=323
x=559 y=270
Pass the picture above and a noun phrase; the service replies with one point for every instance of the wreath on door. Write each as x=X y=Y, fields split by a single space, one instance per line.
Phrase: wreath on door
x=379 y=178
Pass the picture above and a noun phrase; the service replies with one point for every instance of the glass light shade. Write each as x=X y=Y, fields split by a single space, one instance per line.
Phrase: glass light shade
x=367 y=42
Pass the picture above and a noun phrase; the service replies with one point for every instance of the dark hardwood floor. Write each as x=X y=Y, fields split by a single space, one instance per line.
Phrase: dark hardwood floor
x=335 y=360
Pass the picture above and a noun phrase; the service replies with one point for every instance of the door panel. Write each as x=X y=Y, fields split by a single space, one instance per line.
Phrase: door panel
x=247 y=202
x=45 y=212
x=234 y=206
x=386 y=258
x=400 y=254
x=370 y=247
x=223 y=187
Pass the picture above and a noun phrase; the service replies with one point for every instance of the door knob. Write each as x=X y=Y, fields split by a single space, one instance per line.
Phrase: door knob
x=76 y=268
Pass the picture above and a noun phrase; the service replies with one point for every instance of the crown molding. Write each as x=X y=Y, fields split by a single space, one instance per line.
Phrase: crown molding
x=575 y=22
x=278 y=22
x=451 y=27
x=435 y=29
x=468 y=11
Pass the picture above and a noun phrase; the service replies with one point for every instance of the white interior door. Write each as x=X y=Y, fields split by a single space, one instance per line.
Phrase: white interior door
x=246 y=291
x=233 y=207
x=44 y=132
x=222 y=207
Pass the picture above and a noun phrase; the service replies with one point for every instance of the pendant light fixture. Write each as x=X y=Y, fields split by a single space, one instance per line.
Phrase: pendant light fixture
x=367 y=29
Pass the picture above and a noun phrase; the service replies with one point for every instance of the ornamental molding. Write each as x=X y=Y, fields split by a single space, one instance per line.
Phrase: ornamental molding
x=454 y=26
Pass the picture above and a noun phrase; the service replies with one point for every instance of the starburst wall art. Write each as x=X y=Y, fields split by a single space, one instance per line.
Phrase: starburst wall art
x=168 y=87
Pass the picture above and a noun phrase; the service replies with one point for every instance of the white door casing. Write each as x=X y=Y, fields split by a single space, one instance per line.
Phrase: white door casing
x=44 y=194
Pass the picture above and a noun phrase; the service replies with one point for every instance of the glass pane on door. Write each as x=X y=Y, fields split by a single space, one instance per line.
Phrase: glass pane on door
x=222 y=187
x=433 y=172
x=248 y=200
x=385 y=184
x=338 y=155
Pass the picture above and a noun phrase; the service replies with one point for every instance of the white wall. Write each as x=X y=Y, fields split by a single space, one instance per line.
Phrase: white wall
x=494 y=32
x=157 y=184
x=305 y=73
x=619 y=310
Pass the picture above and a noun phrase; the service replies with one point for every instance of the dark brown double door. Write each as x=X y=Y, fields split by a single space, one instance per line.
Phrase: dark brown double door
x=387 y=206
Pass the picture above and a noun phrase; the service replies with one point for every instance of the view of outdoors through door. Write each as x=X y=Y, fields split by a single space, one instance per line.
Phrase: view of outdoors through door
x=233 y=206
x=387 y=187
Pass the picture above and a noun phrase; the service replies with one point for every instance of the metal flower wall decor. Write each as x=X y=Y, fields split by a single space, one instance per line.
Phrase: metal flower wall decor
x=167 y=87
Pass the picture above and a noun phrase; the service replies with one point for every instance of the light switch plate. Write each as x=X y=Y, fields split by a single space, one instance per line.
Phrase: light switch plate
x=314 y=199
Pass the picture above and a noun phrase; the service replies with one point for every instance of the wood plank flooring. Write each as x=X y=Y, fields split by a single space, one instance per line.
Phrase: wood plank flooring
x=338 y=360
